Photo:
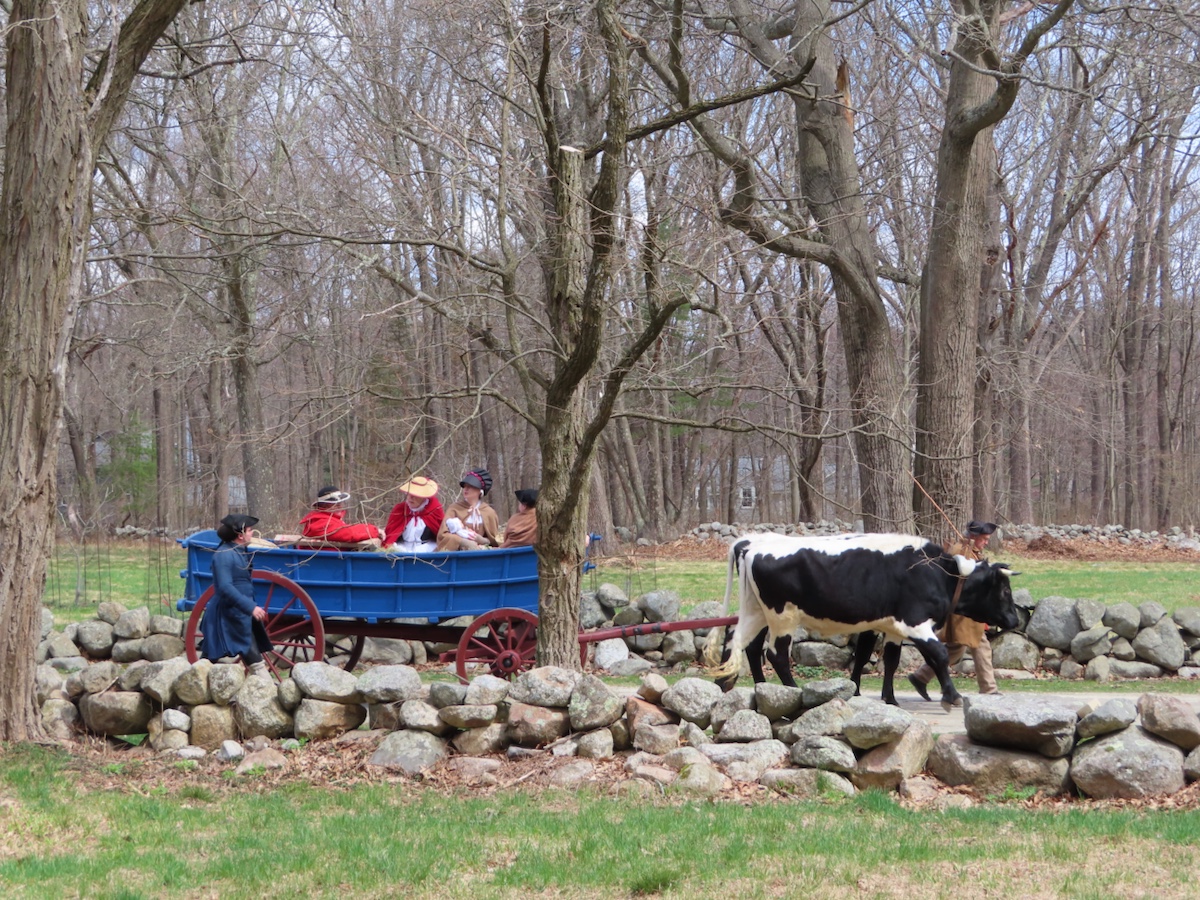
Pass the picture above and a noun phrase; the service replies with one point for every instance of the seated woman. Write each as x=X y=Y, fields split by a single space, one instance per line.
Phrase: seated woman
x=521 y=529
x=327 y=521
x=230 y=612
x=471 y=523
x=413 y=525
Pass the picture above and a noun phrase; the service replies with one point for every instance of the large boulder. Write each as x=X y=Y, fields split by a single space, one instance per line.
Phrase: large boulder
x=1021 y=723
x=97 y=677
x=692 y=699
x=95 y=638
x=875 y=724
x=1161 y=644
x=659 y=606
x=116 y=712
x=1015 y=651
x=887 y=765
x=321 y=681
x=778 y=701
x=158 y=678
x=535 y=726
x=318 y=719
x=1127 y=764
x=132 y=624
x=224 y=681
x=745 y=726
x=1124 y=619
x=156 y=647
x=1112 y=715
x=746 y=762
x=60 y=718
x=609 y=652
x=545 y=686
x=956 y=760
x=257 y=711
x=191 y=687
x=389 y=684
x=1054 y=623
x=593 y=705
x=386 y=651
x=819 y=751
x=1089 y=644
x=412 y=752
x=1171 y=718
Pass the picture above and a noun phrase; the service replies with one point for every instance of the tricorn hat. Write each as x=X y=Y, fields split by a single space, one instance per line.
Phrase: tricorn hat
x=238 y=522
x=477 y=478
x=420 y=486
x=528 y=496
x=980 y=528
x=329 y=495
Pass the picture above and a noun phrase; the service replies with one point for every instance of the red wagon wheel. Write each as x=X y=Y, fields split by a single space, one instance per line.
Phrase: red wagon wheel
x=293 y=624
x=505 y=640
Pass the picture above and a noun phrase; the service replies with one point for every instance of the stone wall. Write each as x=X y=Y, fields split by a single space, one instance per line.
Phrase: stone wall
x=687 y=737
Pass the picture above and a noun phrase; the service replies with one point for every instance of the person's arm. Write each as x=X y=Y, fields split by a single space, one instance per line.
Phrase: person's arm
x=433 y=515
x=395 y=524
x=223 y=565
x=491 y=526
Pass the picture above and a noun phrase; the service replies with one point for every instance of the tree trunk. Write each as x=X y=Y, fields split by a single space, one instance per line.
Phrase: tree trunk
x=44 y=221
x=562 y=508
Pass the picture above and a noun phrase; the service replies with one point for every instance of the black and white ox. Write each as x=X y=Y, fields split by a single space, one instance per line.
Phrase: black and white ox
x=899 y=585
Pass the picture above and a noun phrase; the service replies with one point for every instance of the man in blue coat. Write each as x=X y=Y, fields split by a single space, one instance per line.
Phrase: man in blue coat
x=228 y=618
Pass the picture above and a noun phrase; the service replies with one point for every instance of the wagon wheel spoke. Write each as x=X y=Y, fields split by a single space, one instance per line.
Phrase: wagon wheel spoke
x=503 y=640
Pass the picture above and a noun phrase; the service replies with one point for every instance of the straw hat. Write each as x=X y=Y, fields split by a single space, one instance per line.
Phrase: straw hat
x=419 y=487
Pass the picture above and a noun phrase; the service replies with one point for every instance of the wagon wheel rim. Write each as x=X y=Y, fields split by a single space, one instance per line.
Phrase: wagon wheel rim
x=350 y=645
x=293 y=624
x=504 y=640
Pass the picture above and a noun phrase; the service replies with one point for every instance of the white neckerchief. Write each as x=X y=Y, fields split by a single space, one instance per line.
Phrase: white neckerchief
x=474 y=517
x=416 y=525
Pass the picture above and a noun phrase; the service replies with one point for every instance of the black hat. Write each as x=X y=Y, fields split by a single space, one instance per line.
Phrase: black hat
x=233 y=525
x=528 y=496
x=477 y=478
x=980 y=528
x=330 y=495
x=238 y=522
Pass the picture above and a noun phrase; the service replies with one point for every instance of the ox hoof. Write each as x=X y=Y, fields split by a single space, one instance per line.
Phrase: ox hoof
x=919 y=687
x=949 y=704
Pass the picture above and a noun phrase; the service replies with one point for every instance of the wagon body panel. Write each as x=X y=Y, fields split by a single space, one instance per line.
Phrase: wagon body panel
x=375 y=586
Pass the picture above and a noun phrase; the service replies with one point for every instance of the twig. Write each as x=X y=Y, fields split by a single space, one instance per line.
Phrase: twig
x=921 y=487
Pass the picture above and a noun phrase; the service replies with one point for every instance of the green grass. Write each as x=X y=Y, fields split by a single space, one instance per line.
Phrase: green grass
x=145 y=573
x=64 y=833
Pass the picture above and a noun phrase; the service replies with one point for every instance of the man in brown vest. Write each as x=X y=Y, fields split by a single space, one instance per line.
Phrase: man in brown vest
x=960 y=632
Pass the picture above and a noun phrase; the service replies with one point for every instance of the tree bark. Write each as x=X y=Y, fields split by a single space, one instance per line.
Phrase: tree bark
x=54 y=125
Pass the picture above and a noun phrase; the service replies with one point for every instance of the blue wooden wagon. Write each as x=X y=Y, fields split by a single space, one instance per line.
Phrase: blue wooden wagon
x=328 y=602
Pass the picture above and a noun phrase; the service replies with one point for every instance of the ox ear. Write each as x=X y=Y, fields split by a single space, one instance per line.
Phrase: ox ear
x=965 y=566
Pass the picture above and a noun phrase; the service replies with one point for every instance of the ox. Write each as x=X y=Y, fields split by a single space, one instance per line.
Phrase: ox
x=896 y=584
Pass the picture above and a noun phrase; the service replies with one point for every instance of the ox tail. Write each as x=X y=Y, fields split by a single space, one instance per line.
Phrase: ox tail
x=715 y=645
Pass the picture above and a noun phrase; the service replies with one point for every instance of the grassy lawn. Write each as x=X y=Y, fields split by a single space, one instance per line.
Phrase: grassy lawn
x=64 y=832
x=145 y=573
